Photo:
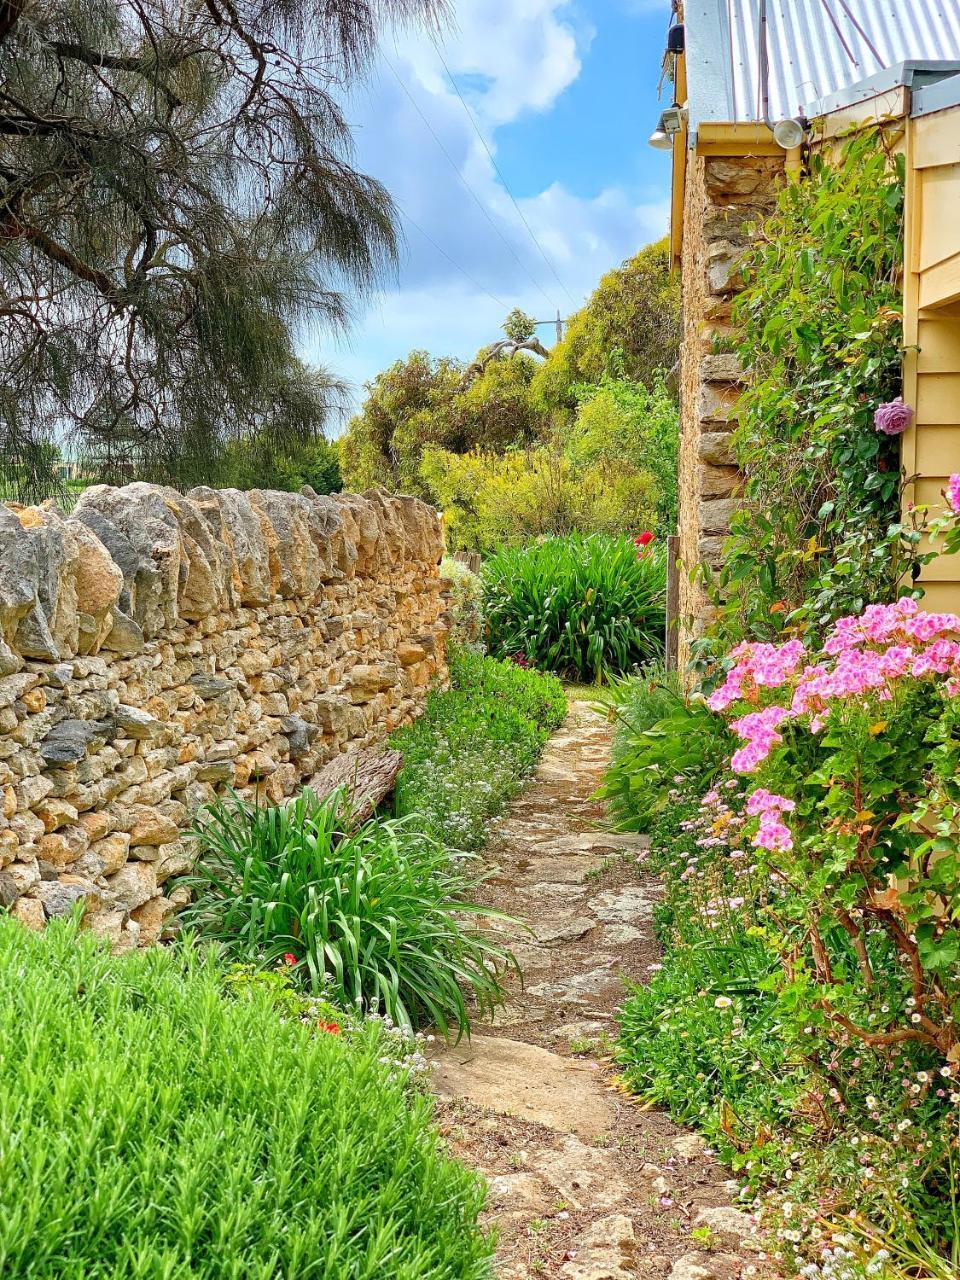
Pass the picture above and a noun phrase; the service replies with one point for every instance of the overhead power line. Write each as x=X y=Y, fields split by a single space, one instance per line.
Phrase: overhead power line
x=456 y=168
x=500 y=174
x=440 y=249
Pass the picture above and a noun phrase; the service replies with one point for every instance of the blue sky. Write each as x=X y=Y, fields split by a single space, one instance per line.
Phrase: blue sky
x=564 y=93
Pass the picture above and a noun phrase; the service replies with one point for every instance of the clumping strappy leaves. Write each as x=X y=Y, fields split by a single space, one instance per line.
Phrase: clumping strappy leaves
x=376 y=916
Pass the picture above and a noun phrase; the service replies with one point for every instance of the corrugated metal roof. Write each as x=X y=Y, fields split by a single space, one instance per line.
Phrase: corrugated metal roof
x=814 y=47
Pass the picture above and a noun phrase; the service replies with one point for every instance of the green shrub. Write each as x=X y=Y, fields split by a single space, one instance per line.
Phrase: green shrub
x=373 y=916
x=662 y=738
x=469 y=752
x=466 y=603
x=152 y=1128
x=583 y=607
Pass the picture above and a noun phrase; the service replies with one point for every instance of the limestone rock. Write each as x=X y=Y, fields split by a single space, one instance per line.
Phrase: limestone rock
x=706 y=1266
x=605 y=1251
x=58 y=896
x=135 y=723
x=67 y=742
x=124 y=636
x=30 y=912
x=622 y=906
x=728 y=1226
x=133 y=885
x=716 y=447
x=720 y=482
x=717 y=513
x=515 y=1078
x=208 y=686
x=300 y=735
x=722 y=367
x=112 y=851
x=585 y=1178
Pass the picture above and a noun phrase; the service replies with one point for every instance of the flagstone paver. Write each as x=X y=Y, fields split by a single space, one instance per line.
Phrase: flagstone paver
x=585 y=1182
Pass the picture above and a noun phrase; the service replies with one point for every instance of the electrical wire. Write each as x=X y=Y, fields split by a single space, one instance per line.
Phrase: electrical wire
x=456 y=168
x=440 y=249
x=506 y=186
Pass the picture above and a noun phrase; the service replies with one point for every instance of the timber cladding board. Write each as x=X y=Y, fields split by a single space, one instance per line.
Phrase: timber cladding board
x=940 y=597
x=936 y=140
x=939 y=223
x=938 y=448
x=938 y=402
x=938 y=340
x=928 y=492
x=940 y=284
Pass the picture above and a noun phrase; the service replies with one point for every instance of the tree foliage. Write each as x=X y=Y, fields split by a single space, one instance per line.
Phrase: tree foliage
x=635 y=310
x=623 y=422
x=492 y=500
x=523 y=442
x=176 y=200
x=261 y=462
x=423 y=403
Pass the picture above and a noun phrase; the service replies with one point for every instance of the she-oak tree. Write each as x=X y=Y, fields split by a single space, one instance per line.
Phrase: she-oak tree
x=177 y=200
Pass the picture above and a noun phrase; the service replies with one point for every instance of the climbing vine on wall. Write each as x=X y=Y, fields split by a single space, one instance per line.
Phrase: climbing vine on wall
x=819 y=327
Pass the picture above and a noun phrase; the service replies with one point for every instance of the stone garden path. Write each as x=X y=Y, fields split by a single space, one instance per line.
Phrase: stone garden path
x=585 y=1183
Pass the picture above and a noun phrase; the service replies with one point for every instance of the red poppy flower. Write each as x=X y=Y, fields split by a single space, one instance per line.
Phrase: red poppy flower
x=644 y=539
x=332 y=1028
x=289 y=958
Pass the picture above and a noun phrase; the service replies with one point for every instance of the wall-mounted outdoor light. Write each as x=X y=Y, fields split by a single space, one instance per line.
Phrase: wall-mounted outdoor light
x=660 y=139
x=790 y=133
x=668 y=126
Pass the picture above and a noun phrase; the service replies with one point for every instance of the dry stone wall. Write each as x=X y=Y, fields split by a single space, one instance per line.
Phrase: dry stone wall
x=724 y=197
x=156 y=648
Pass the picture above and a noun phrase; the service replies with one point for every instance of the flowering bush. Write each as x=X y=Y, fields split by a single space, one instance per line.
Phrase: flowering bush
x=862 y=743
x=805 y=1013
x=852 y=756
x=820 y=337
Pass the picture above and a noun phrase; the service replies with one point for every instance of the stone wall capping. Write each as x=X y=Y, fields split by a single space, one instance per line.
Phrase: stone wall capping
x=158 y=647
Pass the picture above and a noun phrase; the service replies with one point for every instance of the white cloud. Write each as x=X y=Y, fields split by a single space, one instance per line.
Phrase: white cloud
x=510 y=57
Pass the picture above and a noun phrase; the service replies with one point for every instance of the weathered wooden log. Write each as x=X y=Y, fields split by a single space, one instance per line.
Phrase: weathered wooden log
x=367 y=778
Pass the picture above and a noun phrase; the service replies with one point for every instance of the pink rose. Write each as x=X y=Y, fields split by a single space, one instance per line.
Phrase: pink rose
x=893 y=418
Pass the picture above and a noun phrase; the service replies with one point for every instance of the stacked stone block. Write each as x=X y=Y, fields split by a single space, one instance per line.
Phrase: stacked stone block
x=725 y=196
x=158 y=648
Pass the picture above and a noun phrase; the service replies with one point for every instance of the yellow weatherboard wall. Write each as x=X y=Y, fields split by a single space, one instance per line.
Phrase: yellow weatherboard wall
x=931 y=448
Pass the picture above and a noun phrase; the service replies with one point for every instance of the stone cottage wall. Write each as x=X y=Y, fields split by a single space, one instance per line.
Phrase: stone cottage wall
x=723 y=196
x=157 y=648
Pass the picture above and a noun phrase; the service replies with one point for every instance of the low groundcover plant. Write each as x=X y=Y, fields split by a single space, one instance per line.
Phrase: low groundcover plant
x=154 y=1126
x=470 y=751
